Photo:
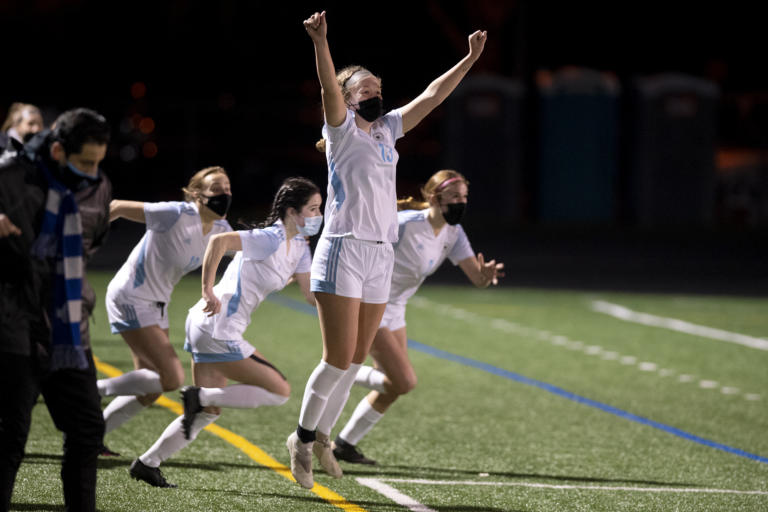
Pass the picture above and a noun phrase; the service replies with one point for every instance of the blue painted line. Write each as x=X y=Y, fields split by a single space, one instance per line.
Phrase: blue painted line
x=448 y=356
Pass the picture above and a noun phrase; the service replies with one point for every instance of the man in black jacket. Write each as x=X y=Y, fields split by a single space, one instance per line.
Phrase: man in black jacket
x=61 y=162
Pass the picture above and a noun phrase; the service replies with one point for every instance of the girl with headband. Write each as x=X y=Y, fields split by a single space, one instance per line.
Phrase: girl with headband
x=429 y=233
x=352 y=266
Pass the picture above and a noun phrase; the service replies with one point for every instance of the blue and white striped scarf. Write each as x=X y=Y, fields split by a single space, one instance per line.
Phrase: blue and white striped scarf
x=61 y=240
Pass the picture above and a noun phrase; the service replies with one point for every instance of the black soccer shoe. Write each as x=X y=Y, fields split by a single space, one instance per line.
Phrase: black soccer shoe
x=106 y=452
x=190 y=397
x=153 y=476
x=342 y=450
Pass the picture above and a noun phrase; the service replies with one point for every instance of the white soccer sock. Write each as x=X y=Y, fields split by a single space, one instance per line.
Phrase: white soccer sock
x=120 y=410
x=137 y=383
x=320 y=384
x=172 y=439
x=337 y=400
x=371 y=378
x=241 y=396
x=362 y=421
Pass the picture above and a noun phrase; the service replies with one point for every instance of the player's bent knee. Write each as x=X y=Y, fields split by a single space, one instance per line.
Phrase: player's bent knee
x=172 y=381
x=212 y=409
x=148 y=399
x=284 y=390
x=404 y=385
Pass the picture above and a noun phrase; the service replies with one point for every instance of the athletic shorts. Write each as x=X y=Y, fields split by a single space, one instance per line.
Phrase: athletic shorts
x=394 y=317
x=207 y=349
x=349 y=267
x=128 y=314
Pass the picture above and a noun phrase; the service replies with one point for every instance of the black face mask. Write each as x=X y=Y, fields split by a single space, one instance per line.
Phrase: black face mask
x=455 y=213
x=371 y=109
x=219 y=204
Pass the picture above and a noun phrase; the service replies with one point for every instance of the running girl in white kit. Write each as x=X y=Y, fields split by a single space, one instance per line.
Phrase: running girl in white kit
x=138 y=296
x=429 y=233
x=352 y=267
x=266 y=260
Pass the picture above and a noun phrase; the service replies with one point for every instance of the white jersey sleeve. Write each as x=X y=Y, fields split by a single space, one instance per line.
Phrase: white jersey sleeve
x=340 y=135
x=162 y=216
x=259 y=244
x=461 y=249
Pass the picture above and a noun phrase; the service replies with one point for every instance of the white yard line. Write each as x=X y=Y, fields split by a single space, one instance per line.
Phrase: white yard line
x=378 y=483
x=626 y=314
x=394 y=495
x=559 y=340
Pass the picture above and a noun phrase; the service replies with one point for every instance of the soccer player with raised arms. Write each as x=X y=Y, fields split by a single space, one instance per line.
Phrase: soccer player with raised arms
x=352 y=266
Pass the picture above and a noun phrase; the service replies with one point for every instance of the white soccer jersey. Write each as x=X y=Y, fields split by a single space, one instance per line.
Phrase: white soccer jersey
x=362 y=200
x=265 y=265
x=418 y=253
x=172 y=246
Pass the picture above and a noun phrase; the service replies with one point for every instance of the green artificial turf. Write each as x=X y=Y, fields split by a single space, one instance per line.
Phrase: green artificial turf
x=465 y=424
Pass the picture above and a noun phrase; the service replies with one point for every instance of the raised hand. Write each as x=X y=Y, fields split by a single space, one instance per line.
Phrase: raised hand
x=476 y=43
x=212 y=302
x=316 y=26
x=491 y=270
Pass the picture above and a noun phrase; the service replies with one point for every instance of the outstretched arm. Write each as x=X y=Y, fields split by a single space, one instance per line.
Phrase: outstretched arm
x=131 y=210
x=443 y=85
x=333 y=99
x=481 y=273
x=217 y=247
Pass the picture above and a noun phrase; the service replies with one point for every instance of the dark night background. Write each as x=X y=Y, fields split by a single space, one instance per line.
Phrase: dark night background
x=586 y=172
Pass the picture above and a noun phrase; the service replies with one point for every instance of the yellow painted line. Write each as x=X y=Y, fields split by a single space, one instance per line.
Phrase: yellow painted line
x=250 y=449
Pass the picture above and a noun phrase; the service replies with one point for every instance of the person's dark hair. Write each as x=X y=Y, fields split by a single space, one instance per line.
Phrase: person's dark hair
x=293 y=193
x=80 y=126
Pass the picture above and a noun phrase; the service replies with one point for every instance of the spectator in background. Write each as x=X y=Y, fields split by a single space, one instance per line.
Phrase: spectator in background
x=23 y=121
x=53 y=215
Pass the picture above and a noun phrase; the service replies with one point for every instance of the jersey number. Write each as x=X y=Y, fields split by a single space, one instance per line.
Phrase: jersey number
x=386 y=152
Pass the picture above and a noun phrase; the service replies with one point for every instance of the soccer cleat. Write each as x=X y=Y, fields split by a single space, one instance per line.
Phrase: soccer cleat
x=301 y=460
x=190 y=397
x=106 y=452
x=322 y=450
x=153 y=476
x=342 y=450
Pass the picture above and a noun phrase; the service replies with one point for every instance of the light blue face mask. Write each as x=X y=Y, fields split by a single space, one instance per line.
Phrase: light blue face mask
x=78 y=172
x=311 y=226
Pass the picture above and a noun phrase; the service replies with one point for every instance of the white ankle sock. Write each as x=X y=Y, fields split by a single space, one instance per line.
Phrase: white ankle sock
x=371 y=378
x=241 y=396
x=172 y=439
x=120 y=410
x=319 y=386
x=137 y=383
x=362 y=421
x=337 y=400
